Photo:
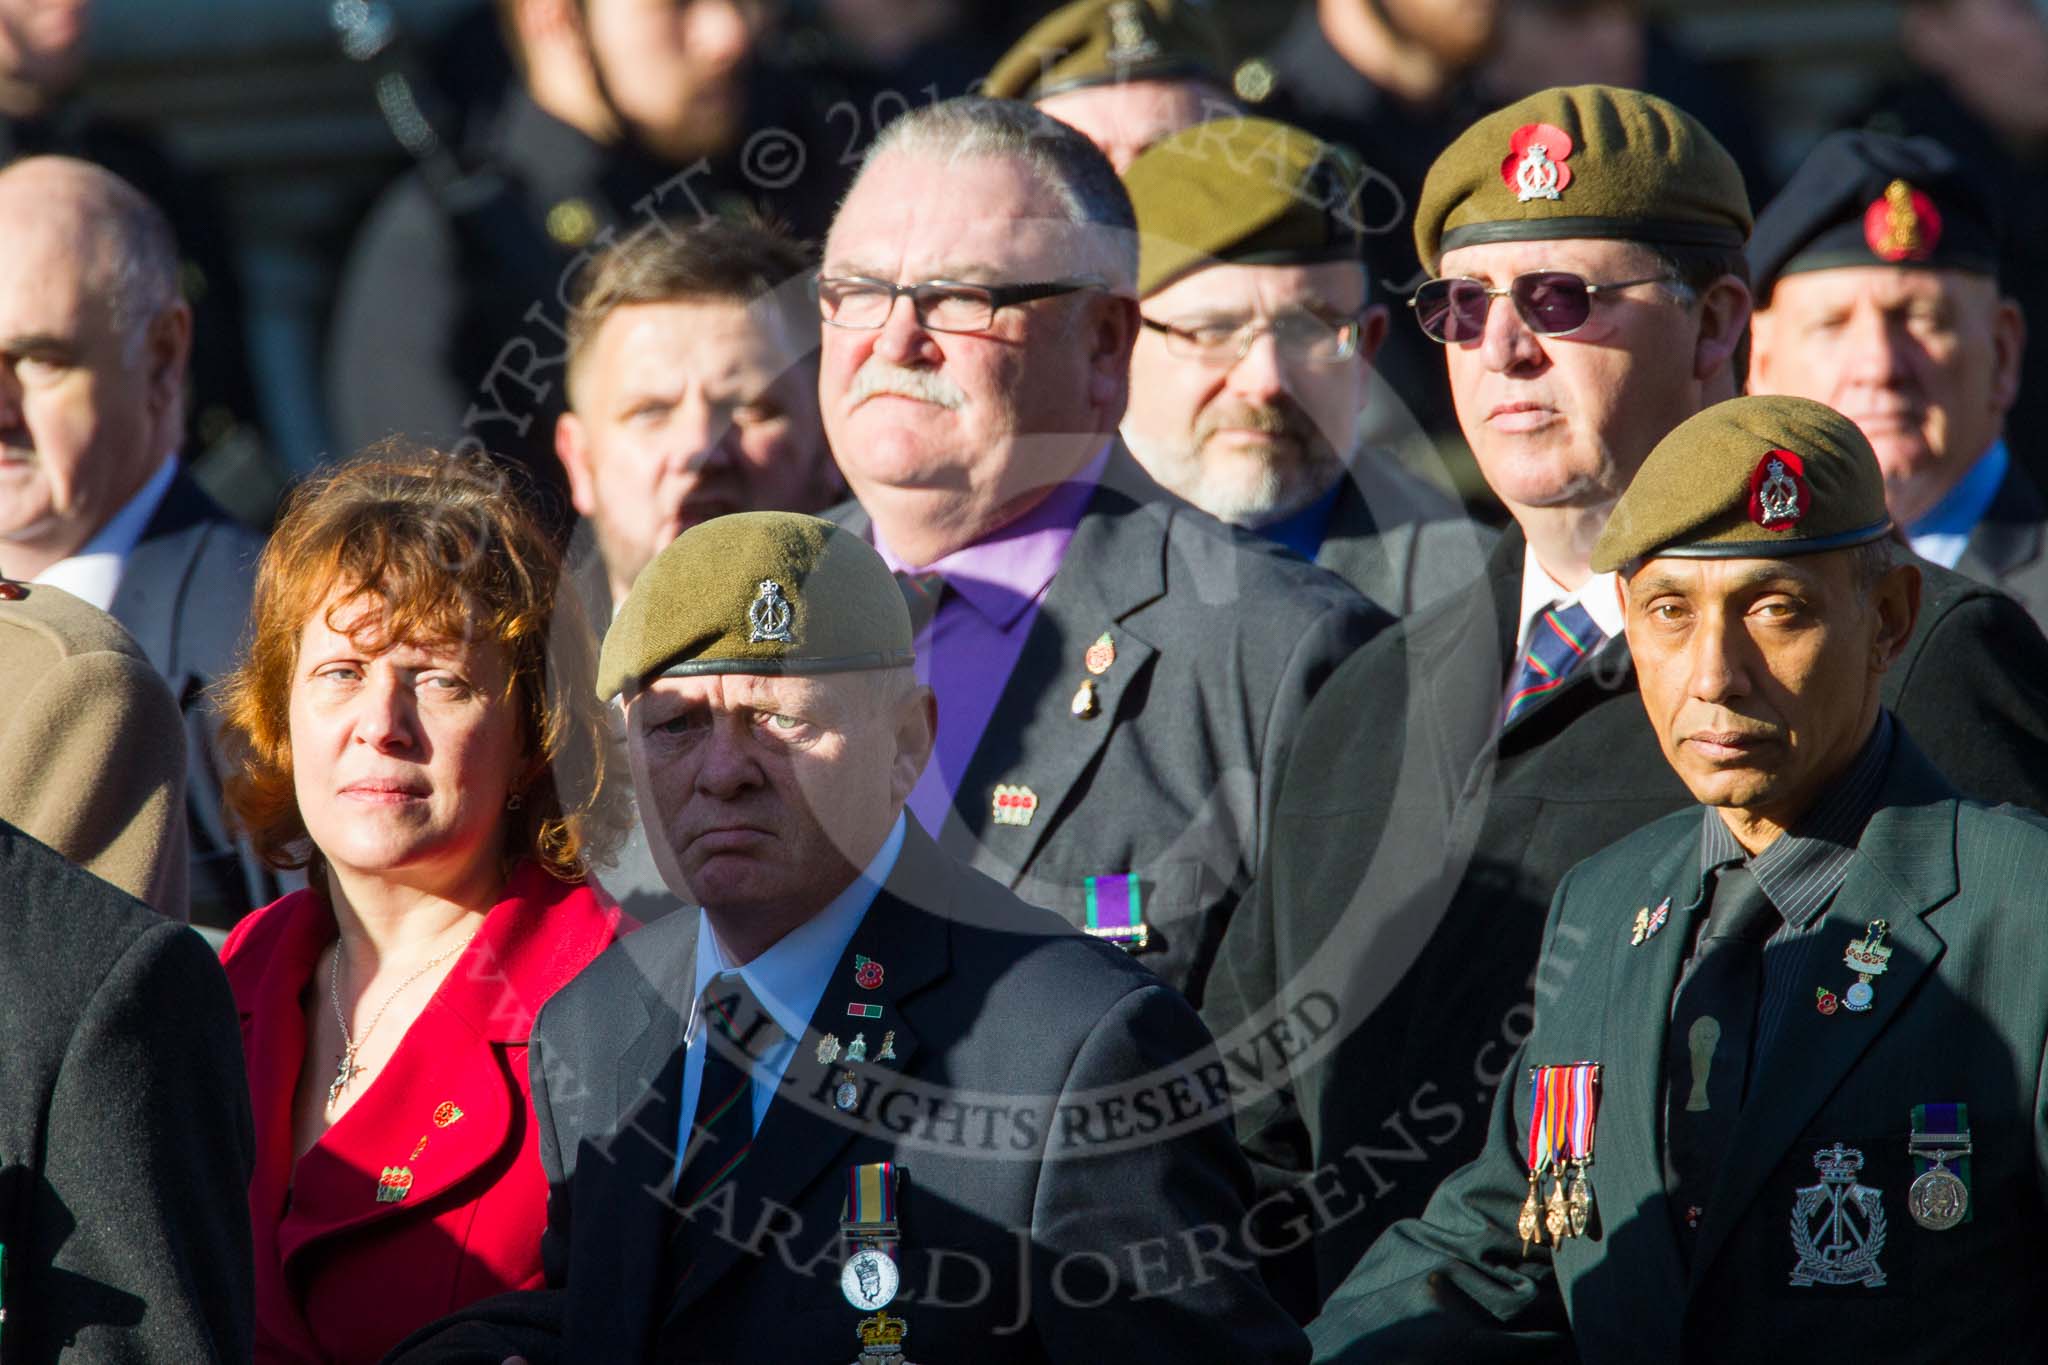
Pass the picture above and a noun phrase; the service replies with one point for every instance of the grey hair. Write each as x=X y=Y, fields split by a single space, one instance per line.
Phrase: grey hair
x=1872 y=561
x=1079 y=176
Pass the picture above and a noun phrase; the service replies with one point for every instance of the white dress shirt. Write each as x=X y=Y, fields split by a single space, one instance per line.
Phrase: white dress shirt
x=94 y=573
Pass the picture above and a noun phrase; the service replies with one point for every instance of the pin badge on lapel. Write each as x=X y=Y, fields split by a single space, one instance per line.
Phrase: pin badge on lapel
x=888 y=1052
x=828 y=1049
x=847 y=1094
x=857 y=1050
x=1868 y=957
x=1014 y=805
x=394 y=1184
x=446 y=1113
x=867 y=973
x=1649 y=921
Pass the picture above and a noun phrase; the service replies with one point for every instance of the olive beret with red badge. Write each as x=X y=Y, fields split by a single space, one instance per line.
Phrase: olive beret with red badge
x=1871 y=199
x=1242 y=191
x=1750 y=478
x=1102 y=42
x=757 y=592
x=1583 y=161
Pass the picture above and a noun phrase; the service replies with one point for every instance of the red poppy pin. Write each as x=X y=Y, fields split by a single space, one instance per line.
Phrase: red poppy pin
x=867 y=973
x=1903 y=225
x=1777 y=491
x=1535 y=167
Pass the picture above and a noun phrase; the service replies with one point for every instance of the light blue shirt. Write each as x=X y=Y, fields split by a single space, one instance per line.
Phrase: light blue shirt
x=1944 y=533
x=789 y=980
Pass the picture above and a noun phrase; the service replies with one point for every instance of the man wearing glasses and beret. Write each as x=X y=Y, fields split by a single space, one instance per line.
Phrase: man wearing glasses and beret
x=1590 y=296
x=1254 y=363
x=1117 y=672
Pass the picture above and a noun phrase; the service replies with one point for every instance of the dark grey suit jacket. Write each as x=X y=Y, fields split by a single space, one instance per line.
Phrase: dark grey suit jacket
x=1400 y=541
x=184 y=596
x=1961 y=1014
x=1222 y=638
x=2006 y=549
x=1053 y=1109
x=125 y=1142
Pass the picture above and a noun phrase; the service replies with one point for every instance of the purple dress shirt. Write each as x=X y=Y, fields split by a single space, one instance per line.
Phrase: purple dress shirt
x=966 y=654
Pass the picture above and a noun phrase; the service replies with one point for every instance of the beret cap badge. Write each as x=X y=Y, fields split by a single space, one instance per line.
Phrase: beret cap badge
x=769 y=615
x=1777 y=491
x=1534 y=168
x=1904 y=225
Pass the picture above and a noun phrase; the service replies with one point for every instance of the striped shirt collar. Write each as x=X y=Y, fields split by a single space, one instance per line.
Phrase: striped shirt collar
x=1802 y=868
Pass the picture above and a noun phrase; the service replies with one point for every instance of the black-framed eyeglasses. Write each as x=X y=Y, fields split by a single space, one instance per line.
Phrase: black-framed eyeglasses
x=858 y=302
x=1302 y=335
x=1551 y=303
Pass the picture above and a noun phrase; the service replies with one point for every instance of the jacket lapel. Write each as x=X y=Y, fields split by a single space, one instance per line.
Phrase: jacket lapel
x=1905 y=866
x=153 y=580
x=1115 y=564
x=1638 y=1019
x=802 y=1134
x=2009 y=536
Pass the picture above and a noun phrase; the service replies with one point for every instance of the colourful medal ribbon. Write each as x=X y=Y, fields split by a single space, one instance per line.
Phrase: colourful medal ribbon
x=1585 y=1085
x=1951 y=1118
x=870 y=1213
x=1116 y=909
x=1558 y=1117
x=1539 y=1120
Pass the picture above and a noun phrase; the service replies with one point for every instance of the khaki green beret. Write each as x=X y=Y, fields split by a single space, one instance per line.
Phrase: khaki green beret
x=1583 y=161
x=1245 y=191
x=757 y=592
x=1101 y=42
x=92 y=745
x=1750 y=478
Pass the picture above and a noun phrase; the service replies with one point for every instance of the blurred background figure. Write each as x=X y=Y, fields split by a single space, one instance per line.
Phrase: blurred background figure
x=1253 y=363
x=43 y=111
x=94 y=337
x=693 y=392
x=1977 y=83
x=449 y=322
x=1878 y=294
x=91 y=745
x=1125 y=73
x=418 y=728
x=124 y=1126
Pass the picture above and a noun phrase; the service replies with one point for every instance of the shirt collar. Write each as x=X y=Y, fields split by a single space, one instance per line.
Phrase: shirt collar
x=1803 y=867
x=1942 y=534
x=1302 y=530
x=790 y=978
x=1007 y=570
x=1540 y=591
x=94 y=573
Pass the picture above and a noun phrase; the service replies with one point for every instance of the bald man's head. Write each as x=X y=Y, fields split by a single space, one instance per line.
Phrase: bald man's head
x=93 y=344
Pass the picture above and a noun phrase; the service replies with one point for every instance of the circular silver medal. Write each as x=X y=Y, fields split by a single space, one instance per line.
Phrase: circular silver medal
x=869 y=1279
x=1938 y=1199
x=847 y=1095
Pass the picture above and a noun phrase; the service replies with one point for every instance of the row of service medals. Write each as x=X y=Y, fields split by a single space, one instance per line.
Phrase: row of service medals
x=1564 y=1102
x=870 y=1277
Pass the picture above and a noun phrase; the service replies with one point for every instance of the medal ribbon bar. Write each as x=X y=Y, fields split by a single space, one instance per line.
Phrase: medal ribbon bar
x=1116 y=909
x=1943 y=1128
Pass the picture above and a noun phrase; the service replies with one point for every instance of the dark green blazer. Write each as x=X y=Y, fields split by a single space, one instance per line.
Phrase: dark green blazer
x=1961 y=1015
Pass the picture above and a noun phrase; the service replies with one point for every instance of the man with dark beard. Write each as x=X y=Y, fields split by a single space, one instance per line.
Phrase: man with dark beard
x=1253 y=363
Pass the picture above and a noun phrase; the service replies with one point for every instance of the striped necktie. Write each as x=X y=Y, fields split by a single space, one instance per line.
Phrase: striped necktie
x=922 y=593
x=736 y=1032
x=1559 y=641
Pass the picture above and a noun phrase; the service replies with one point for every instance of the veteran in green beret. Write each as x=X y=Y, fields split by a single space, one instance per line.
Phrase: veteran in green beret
x=1125 y=73
x=1253 y=367
x=934 y=1093
x=1789 y=1090
x=1589 y=297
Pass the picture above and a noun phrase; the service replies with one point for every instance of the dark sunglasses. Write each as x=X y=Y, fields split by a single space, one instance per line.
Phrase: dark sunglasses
x=1551 y=303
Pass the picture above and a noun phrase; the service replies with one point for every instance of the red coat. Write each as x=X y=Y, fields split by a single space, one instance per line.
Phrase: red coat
x=342 y=1274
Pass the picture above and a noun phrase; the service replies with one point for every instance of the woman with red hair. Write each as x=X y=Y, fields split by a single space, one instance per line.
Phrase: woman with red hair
x=416 y=727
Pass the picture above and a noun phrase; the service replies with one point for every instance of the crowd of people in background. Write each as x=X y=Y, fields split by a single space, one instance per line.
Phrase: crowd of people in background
x=1379 y=697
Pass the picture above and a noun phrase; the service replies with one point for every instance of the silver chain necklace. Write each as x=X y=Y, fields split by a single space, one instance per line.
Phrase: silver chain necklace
x=346 y=1069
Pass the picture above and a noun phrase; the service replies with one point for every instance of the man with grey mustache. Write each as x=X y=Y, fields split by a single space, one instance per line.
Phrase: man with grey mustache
x=1117 y=672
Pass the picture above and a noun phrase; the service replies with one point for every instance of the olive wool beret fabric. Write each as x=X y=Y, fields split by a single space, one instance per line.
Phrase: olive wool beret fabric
x=92 y=745
x=1749 y=478
x=1101 y=42
x=1864 y=199
x=1245 y=191
x=757 y=592
x=1583 y=161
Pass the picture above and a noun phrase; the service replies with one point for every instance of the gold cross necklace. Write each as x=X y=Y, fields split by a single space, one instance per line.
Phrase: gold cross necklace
x=345 y=1069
